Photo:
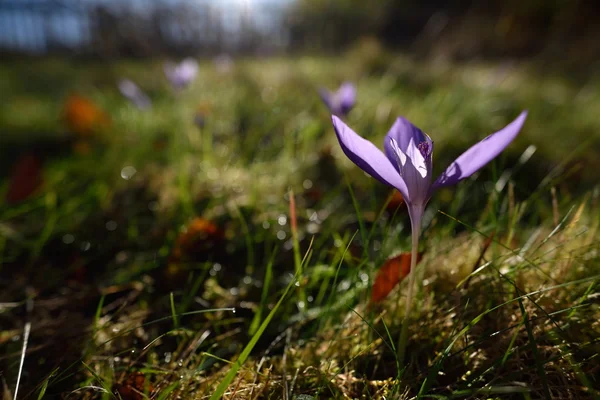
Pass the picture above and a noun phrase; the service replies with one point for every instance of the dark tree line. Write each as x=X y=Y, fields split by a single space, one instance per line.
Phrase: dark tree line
x=461 y=28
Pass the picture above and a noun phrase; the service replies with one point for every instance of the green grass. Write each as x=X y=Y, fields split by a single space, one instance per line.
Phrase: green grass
x=257 y=310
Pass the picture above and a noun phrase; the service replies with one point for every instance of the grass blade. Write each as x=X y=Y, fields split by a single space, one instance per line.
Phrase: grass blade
x=246 y=352
x=534 y=350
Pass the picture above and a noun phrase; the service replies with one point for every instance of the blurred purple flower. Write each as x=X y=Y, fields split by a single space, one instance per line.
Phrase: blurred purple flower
x=407 y=166
x=182 y=74
x=133 y=93
x=340 y=102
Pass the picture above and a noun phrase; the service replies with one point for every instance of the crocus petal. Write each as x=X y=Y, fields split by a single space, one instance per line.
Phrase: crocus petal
x=132 y=92
x=402 y=132
x=182 y=74
x=346 y=97
x=327 y=98
x=368 y=157
x=127 y=88
x=188 y=69
x=417 y=158
x=480 y=154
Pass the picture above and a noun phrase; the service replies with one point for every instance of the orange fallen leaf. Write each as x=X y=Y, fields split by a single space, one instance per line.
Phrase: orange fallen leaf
x=396 y=200
x=134 y=387
x=25 y=179
x=199 y=242
x=194 y=239
x=390 y=274
x=83 y=117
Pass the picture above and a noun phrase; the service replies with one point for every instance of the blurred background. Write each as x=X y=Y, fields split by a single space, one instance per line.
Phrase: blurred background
x=559 y=29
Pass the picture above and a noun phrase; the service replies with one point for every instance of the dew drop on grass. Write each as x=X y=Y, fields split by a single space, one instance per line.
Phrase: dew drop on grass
x=68 y=238
x=281 y=235
x=111 y=225
x=301 y=305
x=310 y=299
x=322 y=215
x=247 y=280
x=128 y=172
x=312 y=228
x=282 y=220
x=85 y=246
x=266 y=225
x=307 y=184
x=168 y=356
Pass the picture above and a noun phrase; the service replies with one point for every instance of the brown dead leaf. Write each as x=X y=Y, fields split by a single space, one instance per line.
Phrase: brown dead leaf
x=199 y=233
x=390 y=274
x=134 y=387
x=396 y=200
x=25 y=179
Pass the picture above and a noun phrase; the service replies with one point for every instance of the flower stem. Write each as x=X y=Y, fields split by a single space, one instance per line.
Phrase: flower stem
x=416 y=230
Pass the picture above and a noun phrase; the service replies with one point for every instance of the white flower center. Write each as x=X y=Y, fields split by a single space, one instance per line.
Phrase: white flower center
x=414 y=153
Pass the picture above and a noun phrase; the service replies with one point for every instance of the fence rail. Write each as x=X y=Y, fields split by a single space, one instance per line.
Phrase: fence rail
x=127 y=28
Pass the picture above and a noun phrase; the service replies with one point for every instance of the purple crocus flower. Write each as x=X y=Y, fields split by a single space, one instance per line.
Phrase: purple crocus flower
x=340 y=102
x=407 y=166
x=182 y=74
x=133 y=93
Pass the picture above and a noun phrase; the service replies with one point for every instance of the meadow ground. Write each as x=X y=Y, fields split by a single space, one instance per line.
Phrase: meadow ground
x=157 y=257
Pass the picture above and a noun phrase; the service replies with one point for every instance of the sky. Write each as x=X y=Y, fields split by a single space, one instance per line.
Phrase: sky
x=24 y=28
